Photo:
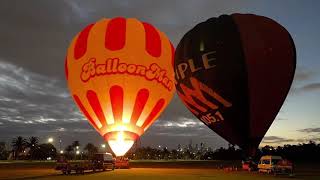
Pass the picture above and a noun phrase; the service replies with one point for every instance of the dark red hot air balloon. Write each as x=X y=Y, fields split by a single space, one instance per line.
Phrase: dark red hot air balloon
x=234 y=73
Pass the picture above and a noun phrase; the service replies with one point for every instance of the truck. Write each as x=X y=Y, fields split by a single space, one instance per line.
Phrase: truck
x=100 y=161
x=122 y=163
x=275 y=165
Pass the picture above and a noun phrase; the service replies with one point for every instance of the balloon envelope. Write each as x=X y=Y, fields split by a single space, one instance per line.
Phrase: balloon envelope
x=234 y=73
x=120 y=74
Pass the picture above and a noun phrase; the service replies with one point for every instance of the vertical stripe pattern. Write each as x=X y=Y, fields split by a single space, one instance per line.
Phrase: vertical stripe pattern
x=96 y=106
x=116 y=97
x=81 y=43
x=115 y=37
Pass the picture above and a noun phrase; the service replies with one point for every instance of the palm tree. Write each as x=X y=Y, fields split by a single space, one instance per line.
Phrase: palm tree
x=33 y=141
x=18 y=144
x=32 y=144
x=75 y=144
x=91 y=149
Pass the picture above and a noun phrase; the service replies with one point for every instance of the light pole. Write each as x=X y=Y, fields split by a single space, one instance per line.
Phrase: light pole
x=103 y=147
x=60 y=141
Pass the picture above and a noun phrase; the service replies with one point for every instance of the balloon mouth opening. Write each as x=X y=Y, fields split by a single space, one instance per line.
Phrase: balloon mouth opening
x=120 y=142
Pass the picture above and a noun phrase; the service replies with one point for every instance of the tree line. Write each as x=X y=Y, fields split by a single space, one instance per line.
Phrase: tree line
x=31 y=149
x=304 y=152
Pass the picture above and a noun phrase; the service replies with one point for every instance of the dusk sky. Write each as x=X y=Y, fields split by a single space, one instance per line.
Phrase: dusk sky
x=35 y=100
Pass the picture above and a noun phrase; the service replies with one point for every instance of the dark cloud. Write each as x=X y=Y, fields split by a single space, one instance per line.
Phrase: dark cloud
x=311 y=87
x=310 y=130
x=34 y=104
x=35 y=34
x=276 y=140
x=303 y=74
x=281 y=119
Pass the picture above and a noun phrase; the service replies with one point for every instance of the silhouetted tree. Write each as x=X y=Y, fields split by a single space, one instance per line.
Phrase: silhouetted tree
x=3 y=151
x=33 y=144
x=91 y=150
x=302 y=152
x=18 y=144
x=76 y=147
x=75 y=144
x=69 y=150
x=44 y=151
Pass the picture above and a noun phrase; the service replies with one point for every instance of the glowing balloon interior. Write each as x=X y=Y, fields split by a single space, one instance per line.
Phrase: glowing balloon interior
x=120 y=74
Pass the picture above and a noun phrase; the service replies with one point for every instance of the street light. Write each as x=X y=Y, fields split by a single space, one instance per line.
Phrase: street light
x=61 y=152
x=77 y=147
x=103 y=145
x=78 y=152
x=50 y=140
x=60 y=142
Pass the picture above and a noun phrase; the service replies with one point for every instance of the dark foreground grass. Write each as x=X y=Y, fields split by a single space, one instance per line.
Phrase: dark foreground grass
x=146 y=174
x=133 y=164
x=152 y=170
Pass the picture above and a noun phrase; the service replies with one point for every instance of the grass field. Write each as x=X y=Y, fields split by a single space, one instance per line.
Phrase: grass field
x=149 y=170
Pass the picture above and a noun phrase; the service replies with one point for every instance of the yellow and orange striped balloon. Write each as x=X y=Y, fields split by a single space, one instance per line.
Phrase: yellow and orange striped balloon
x=120 y=74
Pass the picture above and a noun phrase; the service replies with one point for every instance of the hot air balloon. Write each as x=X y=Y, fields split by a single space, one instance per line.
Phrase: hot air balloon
x=120 y=74
x=234 y=73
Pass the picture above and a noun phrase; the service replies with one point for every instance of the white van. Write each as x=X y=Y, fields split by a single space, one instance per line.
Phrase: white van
x=267 y=163
x=274 y=164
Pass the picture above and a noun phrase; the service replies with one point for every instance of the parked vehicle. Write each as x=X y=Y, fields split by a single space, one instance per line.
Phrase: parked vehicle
x=122 y=163
x=275 y=165
x=100 y=161
x=249 y=166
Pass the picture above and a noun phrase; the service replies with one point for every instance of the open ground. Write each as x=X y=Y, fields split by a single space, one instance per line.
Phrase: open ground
x=144 y=170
